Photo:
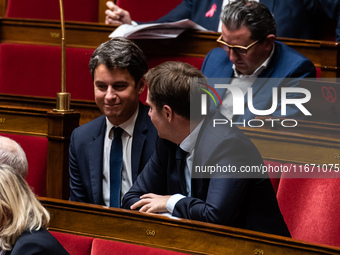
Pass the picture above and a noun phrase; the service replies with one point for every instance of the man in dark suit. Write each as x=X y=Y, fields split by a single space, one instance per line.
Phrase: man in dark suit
x=295 y=19
x=252 y=59
x=176 y=179
x=117 y=67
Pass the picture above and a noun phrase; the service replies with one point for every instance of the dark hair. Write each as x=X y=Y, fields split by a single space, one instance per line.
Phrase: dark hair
x=120 y=53
x=177 y=85
x=251 y=14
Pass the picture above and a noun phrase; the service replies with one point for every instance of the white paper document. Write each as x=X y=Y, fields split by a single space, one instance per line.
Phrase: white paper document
x=155 y=30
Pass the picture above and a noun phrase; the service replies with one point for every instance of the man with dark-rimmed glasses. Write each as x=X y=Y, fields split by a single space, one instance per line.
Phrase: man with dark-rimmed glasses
x=249 y=53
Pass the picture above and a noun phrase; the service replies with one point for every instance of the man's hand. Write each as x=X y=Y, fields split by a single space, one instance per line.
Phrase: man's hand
x=151 y=203
x=115 y=15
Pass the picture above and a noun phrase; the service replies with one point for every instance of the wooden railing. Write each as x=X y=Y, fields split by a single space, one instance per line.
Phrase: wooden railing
x=159 y=231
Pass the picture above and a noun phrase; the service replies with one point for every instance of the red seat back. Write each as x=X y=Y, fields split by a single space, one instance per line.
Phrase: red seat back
x=36 y=152
x=74 y=10
x=37 y=71
x=310 y=207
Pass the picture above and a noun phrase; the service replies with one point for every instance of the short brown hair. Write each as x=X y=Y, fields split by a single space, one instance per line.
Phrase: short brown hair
x=176 y=84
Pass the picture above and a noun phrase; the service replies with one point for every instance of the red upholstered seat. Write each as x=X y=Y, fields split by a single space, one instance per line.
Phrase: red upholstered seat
x=74 y=10
x=147 y=10
x=318 y=72
x=35 y=70
x=36 y=153
x=310 y=207
x=194 y=61
x=106 y=247
x=74 y=244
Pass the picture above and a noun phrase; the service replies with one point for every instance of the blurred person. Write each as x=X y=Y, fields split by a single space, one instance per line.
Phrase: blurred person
x=23 y=219
x=12 y=154
x=108 y=153
x=295 y=18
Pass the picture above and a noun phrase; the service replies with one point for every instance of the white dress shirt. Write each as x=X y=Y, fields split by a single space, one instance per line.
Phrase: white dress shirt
x=243 y=82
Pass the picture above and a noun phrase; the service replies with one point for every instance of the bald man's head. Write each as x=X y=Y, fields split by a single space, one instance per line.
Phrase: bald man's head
x=13 y=155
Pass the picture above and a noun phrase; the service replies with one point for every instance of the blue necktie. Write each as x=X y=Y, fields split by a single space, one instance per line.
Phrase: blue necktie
x=180 y=164
x=116 y=161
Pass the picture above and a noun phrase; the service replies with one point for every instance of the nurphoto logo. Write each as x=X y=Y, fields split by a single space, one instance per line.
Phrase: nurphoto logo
x=280 y=99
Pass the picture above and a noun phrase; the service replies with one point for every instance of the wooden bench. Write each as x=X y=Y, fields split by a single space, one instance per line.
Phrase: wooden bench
x=162 y=232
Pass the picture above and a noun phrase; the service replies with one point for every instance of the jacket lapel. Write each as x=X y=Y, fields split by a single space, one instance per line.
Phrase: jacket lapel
x=138 y=141
x=95 y=153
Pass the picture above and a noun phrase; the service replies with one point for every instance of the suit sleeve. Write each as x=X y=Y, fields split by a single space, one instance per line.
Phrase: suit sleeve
x=38 y=243
x=77 y=192
x=225 y=192
x=181 y=11
x=153 y=178
x=337 y=17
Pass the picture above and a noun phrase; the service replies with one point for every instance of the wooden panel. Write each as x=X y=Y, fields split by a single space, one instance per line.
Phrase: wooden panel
x=101 y=9
x=19 y=120
x=88 y=109
x=3 y=4
x=174 y=234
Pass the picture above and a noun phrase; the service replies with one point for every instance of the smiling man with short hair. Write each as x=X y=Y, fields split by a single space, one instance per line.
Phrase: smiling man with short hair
x=107 y=154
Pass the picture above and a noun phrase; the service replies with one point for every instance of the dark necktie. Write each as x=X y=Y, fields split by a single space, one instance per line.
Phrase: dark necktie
x=181 y=163
x=116 y=161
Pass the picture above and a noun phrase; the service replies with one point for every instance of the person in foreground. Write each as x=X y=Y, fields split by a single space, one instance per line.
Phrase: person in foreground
x=251 y=58
x=12 y=154
x=183 y=188
x=107 y=154
x=23 y=220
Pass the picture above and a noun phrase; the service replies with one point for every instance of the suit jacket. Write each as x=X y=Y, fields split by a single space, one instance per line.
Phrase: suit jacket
x=231 y=199
x=39 y=242
x=295 y=19
x=331 y=15
x=287 y=66
x=86 y=155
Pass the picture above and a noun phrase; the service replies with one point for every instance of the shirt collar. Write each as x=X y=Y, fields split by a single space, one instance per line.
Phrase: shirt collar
x=189 y=142
x=128 y=126
x=258 y=70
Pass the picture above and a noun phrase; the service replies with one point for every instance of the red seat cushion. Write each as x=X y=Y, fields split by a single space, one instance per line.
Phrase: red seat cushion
x=36 y=152
x=74 y=244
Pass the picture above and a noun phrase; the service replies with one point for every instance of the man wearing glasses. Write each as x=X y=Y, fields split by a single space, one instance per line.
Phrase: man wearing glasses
x=250 y=55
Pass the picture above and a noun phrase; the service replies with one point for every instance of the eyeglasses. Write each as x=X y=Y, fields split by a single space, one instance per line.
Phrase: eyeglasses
x=242 y=50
